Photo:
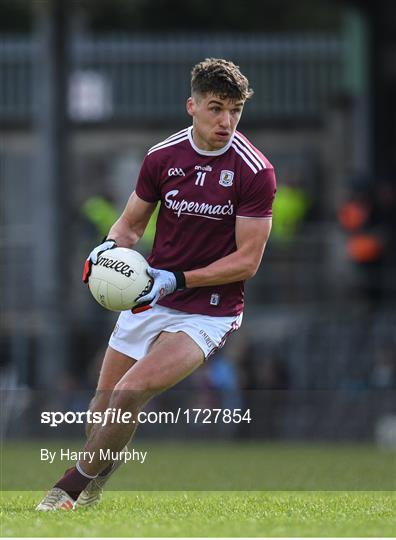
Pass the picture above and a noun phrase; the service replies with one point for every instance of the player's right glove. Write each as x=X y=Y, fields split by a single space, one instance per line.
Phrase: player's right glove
x=164 y=283
x=94 y=256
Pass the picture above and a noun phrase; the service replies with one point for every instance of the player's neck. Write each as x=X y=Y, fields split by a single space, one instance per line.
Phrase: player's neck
x=203 y=146
x=201 y=143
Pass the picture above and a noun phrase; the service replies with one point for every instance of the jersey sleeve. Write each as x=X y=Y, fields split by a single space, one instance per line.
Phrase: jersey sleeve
x=147 y=186
x=257 y=195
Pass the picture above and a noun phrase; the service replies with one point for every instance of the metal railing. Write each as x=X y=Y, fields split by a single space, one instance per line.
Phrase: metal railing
x=146 y=77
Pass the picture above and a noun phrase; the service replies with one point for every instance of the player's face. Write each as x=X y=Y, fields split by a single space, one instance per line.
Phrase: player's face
x=214 y=120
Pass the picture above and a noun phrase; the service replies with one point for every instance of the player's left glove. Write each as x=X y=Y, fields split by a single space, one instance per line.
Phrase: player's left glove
x=164 y=283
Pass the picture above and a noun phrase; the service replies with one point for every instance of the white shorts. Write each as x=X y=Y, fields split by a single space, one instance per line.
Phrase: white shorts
x=133 y=335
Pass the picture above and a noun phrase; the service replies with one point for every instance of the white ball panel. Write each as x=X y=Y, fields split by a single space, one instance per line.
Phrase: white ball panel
x=98 y=289
x=114 y=296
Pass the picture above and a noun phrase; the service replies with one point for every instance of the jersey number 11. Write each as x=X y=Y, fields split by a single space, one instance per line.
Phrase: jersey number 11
x=200 y=178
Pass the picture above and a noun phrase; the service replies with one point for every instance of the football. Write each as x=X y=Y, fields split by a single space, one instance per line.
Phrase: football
x=118 y=278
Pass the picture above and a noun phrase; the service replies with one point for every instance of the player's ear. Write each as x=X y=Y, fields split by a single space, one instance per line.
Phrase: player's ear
x=190 y=105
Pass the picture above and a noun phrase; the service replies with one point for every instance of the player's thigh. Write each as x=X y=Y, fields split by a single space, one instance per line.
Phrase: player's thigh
x=115 y=365
x=172 y=357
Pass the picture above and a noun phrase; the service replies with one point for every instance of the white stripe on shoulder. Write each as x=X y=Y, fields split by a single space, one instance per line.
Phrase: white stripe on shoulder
x=249 y=155
x=184 y=130
x=245 y=159
x=251 y=151
x=173 y=136
x=170 y=138
x=166 y=144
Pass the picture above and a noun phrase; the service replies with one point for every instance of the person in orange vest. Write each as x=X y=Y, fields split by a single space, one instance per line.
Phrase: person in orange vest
x=366 y=241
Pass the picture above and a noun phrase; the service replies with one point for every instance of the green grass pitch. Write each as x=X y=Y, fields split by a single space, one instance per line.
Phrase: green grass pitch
x=241 y=489
x=208 y=514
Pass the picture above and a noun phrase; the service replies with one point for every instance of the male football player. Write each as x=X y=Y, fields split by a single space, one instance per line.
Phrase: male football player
x=216 y=191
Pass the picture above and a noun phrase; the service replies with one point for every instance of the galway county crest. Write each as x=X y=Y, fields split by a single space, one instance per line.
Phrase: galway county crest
x=226 y=178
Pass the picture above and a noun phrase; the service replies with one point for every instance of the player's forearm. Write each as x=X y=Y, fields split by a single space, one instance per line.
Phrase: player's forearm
x=125 y=233
x=237 y=266
x=132 y=223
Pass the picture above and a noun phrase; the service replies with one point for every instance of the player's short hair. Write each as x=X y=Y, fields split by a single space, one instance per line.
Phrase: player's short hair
x=221 y=78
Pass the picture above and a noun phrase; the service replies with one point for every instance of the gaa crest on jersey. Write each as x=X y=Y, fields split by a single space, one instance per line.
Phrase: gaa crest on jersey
x=176 y=171
x=226 y=178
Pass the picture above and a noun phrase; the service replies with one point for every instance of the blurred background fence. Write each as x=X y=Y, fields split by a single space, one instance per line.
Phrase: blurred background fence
x=145 y=78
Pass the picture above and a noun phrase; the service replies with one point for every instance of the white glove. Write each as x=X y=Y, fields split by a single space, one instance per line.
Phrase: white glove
x=164 y=283
x=94 y=255
x=104 y=246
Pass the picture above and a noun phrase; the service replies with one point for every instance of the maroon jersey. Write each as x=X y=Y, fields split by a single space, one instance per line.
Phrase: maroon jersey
x=202 y=193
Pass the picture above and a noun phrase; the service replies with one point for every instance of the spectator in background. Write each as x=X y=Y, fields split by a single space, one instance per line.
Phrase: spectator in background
x=290 y=208
x=273 y=374
x=100 y=213
x=383 y=374
x=223 y=379
x=368 y=218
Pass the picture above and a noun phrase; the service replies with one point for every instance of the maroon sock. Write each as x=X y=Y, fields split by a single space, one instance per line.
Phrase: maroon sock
x=73 y=482
x=107 y=469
